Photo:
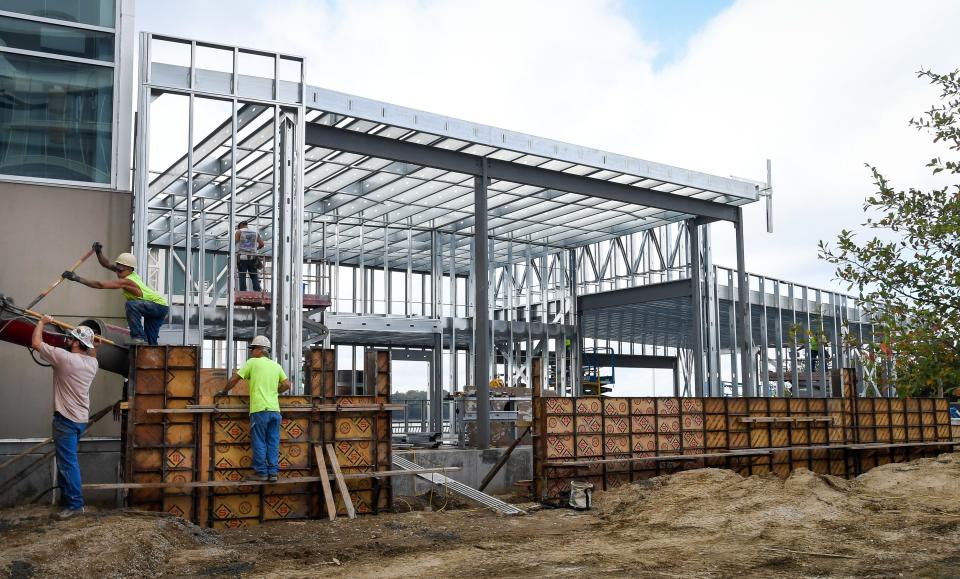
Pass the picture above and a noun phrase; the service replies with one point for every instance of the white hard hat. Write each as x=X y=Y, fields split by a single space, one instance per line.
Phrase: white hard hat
x=127 y=259
x=260 y=342
x=84 y=334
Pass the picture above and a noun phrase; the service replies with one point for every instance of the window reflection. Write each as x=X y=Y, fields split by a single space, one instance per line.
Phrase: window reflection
x=56 y=119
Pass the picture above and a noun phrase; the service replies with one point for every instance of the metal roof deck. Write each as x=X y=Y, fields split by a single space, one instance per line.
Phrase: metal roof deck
x=379 y=209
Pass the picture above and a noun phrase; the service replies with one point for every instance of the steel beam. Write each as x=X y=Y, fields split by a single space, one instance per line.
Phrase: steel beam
x=680 y=288
x=396 y=150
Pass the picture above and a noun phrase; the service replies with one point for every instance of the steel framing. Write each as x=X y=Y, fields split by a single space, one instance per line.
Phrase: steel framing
x=384 y=206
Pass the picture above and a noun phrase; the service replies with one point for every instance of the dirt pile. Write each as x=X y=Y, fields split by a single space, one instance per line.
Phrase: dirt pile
x=112 y=544
x=896 y=519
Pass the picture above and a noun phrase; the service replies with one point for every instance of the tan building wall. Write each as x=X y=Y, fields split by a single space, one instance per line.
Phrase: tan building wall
x=44 y=230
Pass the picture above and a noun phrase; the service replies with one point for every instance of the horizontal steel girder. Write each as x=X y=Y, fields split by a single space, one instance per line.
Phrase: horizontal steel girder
x=384 y=148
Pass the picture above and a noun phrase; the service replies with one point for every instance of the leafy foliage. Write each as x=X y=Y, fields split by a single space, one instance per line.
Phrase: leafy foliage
x=910 y=278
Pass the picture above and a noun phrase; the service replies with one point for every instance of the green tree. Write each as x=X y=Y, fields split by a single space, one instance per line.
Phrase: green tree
x=908 y=274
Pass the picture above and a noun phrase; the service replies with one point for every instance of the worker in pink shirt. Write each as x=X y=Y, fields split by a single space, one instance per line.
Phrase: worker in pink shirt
x=74 y=369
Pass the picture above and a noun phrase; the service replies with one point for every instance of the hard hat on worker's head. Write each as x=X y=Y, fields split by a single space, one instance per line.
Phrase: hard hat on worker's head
x=84 y=335
x=260 y=342
x=127 y=260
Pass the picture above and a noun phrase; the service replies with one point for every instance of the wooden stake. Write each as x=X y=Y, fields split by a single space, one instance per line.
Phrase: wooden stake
x=325 y=483
x=341 y=484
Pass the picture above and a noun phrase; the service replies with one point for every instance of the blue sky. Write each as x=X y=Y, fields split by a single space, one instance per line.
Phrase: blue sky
x=670 y=24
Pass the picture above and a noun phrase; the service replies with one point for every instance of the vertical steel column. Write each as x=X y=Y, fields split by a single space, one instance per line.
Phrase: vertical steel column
x=453 y=314
x=481 y=317
x=387 y=281
x=696 y=302
x=202 y=271
x=436 y=384
x=807 y=338
x=743 y=311
x=408 y=280
x=794 y=370
x=188 y=224
x=734 y=342
x=287 y=299
x=778 y=343
x=361 y=272
x=764 y=372
x=576 y=344
x=528 y=287
x=232 y=226
x=713 y=317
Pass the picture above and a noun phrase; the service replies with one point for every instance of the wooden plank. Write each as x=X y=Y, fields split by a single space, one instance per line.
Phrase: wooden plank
x=200 y=409
x=344 y=492
x=283 y=481
x=660 y=458
x=903 y=444
x=325 y=483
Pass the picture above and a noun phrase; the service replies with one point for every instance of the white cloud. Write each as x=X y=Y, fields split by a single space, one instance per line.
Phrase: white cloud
x=820 y=87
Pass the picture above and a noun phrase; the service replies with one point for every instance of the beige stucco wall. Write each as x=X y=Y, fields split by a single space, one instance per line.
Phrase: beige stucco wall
x=43 y=231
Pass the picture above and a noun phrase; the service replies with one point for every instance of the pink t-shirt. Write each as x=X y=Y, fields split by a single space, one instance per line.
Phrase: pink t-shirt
x=72 y=376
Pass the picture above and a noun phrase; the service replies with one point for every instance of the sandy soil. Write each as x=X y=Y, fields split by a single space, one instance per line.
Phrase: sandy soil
x=899 y=518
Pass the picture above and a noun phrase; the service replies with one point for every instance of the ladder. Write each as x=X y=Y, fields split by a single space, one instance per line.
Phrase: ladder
x=459 y=488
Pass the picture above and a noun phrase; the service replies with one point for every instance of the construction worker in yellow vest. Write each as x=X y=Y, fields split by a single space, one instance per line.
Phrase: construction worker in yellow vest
x=267 y=380
x=146 y=308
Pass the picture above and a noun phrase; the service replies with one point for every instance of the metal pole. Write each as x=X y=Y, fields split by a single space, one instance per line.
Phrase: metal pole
x=231 y=241
x=743 y=311
x=576 y=344
x=481 y=318
x=188 y=226
x=696 y=299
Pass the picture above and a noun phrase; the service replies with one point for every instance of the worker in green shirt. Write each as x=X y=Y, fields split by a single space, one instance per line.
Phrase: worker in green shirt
x=267 y=380
x=146 y=309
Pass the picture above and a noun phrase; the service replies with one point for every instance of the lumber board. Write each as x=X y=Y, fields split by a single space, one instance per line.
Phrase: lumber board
x=199 y=409
x=325 y=483
x=660 y=458
x=283 y=481
x=341 y=484
x=872 y=446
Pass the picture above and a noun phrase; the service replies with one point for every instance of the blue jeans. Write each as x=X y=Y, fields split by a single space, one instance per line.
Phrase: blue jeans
x=66 y=434
x=265 y=441
x=144 y=320
x=248 y=266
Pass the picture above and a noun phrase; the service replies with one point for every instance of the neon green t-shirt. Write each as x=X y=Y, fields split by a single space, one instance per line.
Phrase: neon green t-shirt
x=149 y=294
x=264 y=376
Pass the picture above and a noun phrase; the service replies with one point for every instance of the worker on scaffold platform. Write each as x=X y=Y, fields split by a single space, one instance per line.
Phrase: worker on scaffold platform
x=249 y=243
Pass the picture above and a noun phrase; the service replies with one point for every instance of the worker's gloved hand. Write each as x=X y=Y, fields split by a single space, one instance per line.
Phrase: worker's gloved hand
x=69 y=275
x=97 y=246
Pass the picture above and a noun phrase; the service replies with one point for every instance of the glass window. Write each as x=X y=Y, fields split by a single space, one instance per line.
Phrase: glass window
x=95 y=12
x=55 y=119
x=39 y=37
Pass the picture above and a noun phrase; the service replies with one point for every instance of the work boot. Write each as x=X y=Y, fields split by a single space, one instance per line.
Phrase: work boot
x=256 y=478
x=67 y=513
x=273 y=477
x=137 y=342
